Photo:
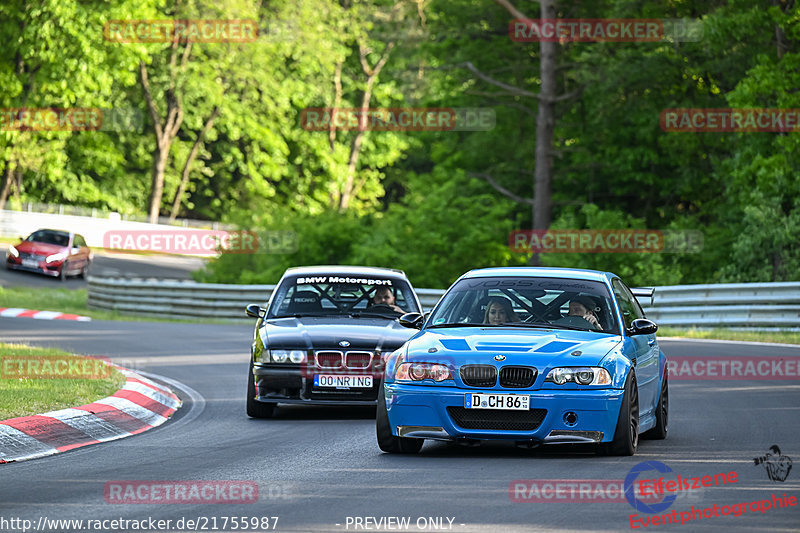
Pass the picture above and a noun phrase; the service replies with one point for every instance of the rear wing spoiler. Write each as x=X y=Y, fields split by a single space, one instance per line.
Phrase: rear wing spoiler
x=644 y=292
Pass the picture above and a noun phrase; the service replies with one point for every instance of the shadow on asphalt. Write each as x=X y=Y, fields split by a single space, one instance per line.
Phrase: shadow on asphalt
x=323 y=412
x=497 y=449
x=506 y=450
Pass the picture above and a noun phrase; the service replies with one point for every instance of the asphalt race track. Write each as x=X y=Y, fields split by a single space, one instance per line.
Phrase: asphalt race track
x=318 y=469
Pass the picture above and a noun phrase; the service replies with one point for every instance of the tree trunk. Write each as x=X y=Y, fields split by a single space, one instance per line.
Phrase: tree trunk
x=355 y=149
x=777 y=266
x=782 y=42
x=8 y=177
x=545 y=124
x=165 y=133
x=157 y=185
x=28 y=88
x=18 y=184
x=176 y=202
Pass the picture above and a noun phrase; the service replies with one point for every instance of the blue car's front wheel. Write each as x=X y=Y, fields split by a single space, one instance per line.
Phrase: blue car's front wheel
x=662 y=413
x=626 y=436
x=386 y=441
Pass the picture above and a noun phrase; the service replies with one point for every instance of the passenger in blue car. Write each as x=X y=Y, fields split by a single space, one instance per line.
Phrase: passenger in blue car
x=499 y=311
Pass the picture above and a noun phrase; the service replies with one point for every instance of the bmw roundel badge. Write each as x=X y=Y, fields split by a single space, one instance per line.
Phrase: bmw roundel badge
x=344 y=344
x=499 y=357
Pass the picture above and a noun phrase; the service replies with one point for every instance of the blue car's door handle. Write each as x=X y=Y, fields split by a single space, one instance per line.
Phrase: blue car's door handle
x=651 y=342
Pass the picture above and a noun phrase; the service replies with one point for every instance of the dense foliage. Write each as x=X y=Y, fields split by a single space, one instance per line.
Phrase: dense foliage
x=427 y=202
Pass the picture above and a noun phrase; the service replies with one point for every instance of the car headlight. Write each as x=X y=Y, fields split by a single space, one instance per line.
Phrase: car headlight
x=55 y=257
x=422 y=371
x=13 y=251
x=279 y=356
x=282 y=356
x=583 y=375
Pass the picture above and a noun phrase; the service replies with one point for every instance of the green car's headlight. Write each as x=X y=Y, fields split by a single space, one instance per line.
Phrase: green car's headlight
x=282 y=356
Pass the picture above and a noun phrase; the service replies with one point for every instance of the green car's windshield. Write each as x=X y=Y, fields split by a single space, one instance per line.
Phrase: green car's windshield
x=352 y=296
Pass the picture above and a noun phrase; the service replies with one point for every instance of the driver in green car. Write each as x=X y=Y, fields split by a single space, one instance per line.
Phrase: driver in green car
x=583 y=306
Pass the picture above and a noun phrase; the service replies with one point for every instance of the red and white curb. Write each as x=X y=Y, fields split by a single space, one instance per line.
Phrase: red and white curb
x=15 y=312
x=140 y=405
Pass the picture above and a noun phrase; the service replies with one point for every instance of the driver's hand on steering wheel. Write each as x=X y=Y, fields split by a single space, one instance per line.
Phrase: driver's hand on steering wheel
x=589 y=316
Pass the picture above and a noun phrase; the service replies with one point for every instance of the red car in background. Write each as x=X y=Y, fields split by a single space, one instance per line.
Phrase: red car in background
x=52 y=252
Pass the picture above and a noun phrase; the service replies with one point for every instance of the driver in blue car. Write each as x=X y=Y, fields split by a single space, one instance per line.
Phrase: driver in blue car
x=583 y=306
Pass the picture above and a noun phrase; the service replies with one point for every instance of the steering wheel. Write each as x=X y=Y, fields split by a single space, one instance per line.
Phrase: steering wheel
x=381 y=307
x=575 y=321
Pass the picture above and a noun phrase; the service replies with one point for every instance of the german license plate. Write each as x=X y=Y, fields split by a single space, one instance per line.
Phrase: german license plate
x=510 y=402
x=342 y=382
x=30 y=263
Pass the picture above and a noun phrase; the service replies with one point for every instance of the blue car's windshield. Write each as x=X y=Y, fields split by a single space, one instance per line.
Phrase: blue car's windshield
x=528 y=302
x=353 y=296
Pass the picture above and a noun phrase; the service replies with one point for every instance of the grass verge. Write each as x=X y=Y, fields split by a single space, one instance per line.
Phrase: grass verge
x=782 y=337
x=63 y=300
x=38 y=380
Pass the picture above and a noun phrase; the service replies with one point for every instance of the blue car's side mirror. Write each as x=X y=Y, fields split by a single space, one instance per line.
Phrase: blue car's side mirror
x=642 y=326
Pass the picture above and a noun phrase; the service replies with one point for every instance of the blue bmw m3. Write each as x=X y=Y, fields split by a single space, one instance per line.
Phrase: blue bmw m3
x=532 y=355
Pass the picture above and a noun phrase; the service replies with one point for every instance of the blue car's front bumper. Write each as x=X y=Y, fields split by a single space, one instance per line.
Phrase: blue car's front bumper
x=422 y=411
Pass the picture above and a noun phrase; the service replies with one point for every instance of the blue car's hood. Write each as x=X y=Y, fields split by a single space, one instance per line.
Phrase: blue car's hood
x=537 y=347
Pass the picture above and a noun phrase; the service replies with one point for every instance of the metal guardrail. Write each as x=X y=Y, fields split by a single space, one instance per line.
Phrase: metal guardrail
x=755 y=305
x=189 y=299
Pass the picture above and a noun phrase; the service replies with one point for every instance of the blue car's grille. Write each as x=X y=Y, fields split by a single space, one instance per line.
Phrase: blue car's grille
x=479 y=375
x=497 y=419
x=517 y=377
